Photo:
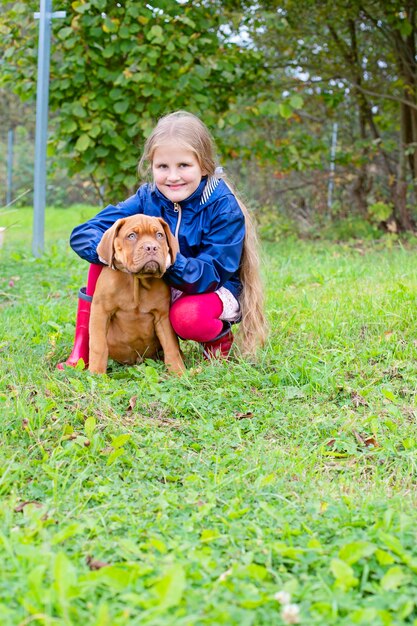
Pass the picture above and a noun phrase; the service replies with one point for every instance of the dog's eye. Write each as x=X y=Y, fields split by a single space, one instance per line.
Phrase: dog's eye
x=159 y=235
x=131 y=236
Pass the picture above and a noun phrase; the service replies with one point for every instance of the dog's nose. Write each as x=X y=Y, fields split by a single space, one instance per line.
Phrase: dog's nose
x=150 y=247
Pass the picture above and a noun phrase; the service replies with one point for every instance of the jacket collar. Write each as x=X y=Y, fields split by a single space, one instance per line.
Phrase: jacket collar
x=199 y=198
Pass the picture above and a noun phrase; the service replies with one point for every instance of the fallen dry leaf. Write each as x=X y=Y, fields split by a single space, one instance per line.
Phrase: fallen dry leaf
x=95 y=564
x=19 y=508
x=365 y=440
x=371 y=441
x=357 y=399
x=132 y=403
x=244 y=416
x=358 y=438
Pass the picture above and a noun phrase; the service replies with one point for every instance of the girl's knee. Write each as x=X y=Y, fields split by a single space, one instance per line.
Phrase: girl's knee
x=196 y=317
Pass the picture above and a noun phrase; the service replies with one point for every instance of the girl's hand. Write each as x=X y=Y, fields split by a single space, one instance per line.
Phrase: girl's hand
x=168 y=261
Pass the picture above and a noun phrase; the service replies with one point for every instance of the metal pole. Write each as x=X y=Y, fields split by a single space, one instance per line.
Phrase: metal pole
x=45 y=16
x=10 y=138
x=42 y=94
x=332 y=166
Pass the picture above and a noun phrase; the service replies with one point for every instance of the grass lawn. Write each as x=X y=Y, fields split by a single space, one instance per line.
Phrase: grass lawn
x=137 y=498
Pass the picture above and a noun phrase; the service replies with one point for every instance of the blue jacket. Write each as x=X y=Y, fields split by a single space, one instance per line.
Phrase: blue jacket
x=209 y=225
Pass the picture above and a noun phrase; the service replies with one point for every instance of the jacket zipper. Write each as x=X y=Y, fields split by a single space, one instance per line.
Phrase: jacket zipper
x=177 y=209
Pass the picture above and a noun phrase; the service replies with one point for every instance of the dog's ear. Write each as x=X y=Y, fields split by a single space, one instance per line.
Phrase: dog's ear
x=172 y=241
x=105 y=248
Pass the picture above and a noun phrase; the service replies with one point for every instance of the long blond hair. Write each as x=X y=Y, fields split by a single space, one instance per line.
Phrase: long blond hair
x=191 y=133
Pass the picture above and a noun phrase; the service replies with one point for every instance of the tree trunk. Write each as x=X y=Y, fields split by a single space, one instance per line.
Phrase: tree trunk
x=361 y=187
x=405 y=49
x=399 y=192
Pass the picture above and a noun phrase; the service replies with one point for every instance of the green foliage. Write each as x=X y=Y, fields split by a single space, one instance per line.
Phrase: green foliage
x=351 y=228
x=137 y=497
x=117 y=67
x=380 y=211
x=271 y=80
x=343 y=65
x=273 y=225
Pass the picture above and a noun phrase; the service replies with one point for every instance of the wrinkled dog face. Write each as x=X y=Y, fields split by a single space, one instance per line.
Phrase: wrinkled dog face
x=141 y=248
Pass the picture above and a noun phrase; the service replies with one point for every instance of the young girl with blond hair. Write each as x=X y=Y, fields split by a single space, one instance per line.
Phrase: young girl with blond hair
x=214 y=279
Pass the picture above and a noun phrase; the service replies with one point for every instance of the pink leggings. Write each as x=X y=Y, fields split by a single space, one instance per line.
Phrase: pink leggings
x=94 y=272
x=192 y=317
x=197 y=317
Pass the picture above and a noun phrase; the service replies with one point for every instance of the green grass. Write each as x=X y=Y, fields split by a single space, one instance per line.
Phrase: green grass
x=58 y=223
x=206 y=496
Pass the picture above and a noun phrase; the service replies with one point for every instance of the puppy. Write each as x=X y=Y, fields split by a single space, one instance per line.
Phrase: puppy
x=129 y=318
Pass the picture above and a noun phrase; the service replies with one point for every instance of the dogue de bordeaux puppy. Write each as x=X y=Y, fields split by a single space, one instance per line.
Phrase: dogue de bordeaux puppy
x=129 y=318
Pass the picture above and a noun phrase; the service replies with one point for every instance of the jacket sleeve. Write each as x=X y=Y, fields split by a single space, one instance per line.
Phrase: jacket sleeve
x=220 y=252
x=85 y=238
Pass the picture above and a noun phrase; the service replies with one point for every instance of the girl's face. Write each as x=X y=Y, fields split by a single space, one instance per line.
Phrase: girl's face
x=176 y=171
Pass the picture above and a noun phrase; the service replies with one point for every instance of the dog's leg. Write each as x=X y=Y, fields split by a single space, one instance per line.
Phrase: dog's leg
x=170 y=345
x=99 y=351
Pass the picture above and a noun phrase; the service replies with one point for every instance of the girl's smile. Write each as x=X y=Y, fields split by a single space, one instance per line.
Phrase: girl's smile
x=176 y=171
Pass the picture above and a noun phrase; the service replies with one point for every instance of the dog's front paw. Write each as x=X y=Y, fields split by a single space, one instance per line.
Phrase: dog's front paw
x=94 y=370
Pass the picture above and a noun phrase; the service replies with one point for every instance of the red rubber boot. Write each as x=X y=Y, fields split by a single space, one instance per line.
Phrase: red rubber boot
x=220 y=346
x=81 y=341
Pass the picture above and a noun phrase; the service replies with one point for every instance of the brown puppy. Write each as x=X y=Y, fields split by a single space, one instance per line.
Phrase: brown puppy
x=129 y=318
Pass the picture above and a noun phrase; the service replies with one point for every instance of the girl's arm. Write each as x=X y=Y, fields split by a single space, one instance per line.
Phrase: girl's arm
x=86 y=237
x=219 y=256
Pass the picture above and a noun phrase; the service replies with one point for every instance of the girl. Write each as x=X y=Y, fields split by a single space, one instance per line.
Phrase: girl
x=214 y=279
